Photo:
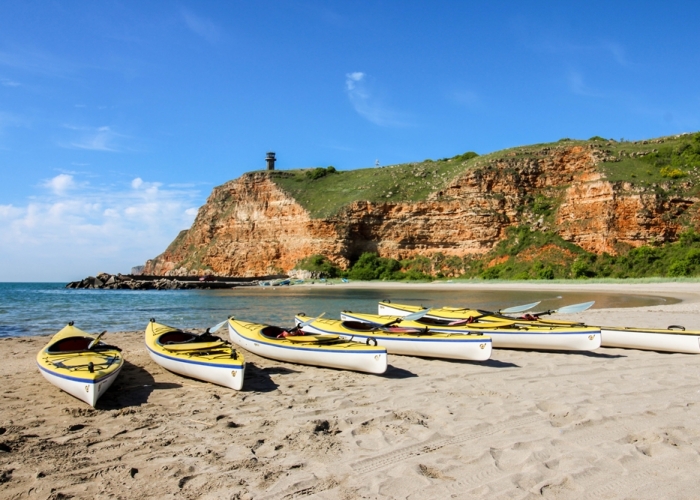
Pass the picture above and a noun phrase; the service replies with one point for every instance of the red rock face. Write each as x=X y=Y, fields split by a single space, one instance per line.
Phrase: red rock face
x=250 y=227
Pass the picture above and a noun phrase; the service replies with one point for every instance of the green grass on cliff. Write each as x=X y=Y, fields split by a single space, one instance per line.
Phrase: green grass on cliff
x=669 y=166
x=326 y=195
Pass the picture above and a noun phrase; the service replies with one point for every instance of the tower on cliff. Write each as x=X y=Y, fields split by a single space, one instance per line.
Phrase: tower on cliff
x=270 y=159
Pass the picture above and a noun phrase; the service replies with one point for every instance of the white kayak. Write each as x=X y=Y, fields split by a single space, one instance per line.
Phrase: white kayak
x=80 y=364
x=673 y=339
x=406 y=341
x=317 y=350
x=204 y=357
x=510 y=336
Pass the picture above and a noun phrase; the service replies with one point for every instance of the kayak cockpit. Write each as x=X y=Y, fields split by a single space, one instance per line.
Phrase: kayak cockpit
x=359 y=326
x=179 y=337
x=275 y=332
x=70 y=345
x=444 y=322
x=295 y=335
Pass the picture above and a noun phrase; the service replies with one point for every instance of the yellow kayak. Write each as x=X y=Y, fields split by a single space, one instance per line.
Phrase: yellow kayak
x=516 y=335
x=469 y=316
x=411 y=341
x=318 y=350
x=80 y=364
x=204 y=357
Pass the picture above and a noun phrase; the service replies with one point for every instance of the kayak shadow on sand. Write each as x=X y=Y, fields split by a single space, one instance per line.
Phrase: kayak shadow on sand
x=494 y=363
x=132 y=388
x=397 y=373
x=259 y=380
x=592 y=354
x=491 y=363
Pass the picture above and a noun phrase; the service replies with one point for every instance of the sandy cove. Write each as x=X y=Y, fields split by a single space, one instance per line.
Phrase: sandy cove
x=613 y=423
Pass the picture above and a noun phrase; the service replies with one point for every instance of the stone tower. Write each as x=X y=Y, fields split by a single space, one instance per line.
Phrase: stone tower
x=270 y=159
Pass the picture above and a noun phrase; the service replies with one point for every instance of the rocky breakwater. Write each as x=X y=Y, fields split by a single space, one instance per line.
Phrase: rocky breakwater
x=252 y=226
x=144 y=282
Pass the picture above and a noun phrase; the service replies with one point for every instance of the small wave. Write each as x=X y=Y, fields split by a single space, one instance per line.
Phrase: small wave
x=13 y=331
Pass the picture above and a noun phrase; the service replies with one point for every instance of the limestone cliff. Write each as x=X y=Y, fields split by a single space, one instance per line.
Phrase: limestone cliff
x=254 y=225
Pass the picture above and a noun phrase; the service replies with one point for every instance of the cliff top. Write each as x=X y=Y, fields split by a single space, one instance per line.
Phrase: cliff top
x=670 y=164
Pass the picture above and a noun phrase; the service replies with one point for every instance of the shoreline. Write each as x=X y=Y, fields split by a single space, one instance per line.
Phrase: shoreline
x=607 y=423
x=688 y=293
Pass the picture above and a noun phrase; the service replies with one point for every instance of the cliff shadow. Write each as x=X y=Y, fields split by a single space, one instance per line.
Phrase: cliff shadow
x=362 y=242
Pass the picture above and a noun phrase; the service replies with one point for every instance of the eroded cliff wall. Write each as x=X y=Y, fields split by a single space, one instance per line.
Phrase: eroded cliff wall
x=251 y=226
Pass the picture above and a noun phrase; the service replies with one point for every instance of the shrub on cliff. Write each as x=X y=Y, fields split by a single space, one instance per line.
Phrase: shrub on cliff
x=371 y=266
x=319 y=264
x=319 y=172
x=466 y=156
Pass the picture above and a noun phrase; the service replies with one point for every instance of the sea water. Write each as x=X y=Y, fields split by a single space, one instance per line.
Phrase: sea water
x=44 y=308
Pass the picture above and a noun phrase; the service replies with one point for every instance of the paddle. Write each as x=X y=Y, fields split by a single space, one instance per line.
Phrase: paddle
x=573 y=308
x=508 y=310
x=217 y=327
x=309 y=321
x=518 y=309
x=96 y=340
x=411 y=317
x=300 y=326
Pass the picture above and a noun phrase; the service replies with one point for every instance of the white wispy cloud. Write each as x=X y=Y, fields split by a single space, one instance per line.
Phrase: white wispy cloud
x=60 y=184
x=6 y=82
x=368 y=105
x=616 y=51
x=464 y=97
x=73 y=226
x=201 y=26
x=11 y=120
x=92 y=138
x=37 y=63
x=578 y=86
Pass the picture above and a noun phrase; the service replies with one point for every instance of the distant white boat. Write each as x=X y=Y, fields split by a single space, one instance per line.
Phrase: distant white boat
x=673 y=339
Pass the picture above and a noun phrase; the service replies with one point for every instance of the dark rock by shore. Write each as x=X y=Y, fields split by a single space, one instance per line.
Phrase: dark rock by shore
x=143 y=282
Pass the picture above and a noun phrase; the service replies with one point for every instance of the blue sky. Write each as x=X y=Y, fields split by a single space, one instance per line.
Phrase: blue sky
x=118 y=118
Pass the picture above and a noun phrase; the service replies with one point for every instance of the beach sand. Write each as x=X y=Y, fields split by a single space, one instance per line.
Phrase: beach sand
x=613 y=423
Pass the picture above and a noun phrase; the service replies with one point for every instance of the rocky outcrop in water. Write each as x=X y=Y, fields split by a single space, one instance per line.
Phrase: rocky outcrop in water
x=145 y=282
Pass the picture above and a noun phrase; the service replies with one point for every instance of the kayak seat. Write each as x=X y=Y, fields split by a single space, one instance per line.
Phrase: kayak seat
x=272 y=332
x=358 y=326
x=71 y=344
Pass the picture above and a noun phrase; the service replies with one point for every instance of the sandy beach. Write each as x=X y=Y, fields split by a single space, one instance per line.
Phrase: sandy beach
x=614 y=423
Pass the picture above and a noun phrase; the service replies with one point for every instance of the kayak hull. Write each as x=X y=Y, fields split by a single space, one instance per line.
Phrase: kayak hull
x=332 y=354
x=535 y=336
x=218 y=364
x=652 y=339
x=474 y=347
x=69 y=370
